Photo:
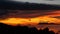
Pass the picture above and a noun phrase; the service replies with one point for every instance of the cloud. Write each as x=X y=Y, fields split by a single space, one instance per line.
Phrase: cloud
x=56 y=2
x=12 y=5
x=3 y=14
x=23 y=13
x=32 y=17
x=28 y=13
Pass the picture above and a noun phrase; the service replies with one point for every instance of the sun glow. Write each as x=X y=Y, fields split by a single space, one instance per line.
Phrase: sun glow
x=47 y=18
x=37 y=20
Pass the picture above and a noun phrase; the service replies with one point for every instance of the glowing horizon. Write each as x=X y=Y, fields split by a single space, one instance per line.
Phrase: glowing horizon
x=48 y=18
x=33 y=21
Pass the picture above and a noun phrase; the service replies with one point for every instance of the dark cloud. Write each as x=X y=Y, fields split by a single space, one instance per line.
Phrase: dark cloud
x=27 y=13
x=24 y=10
x=4 y=4
x=23 y=13
x=57 y=17
x=3 y=14
x=26 y=6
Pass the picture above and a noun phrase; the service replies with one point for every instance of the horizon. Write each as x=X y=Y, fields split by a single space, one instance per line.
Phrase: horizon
x=30 y=14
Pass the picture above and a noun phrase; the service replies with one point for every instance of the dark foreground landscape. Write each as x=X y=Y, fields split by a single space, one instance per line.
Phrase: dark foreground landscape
x=7 y=29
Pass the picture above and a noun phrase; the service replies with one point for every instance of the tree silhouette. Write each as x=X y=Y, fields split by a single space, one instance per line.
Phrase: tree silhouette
x=23 y=29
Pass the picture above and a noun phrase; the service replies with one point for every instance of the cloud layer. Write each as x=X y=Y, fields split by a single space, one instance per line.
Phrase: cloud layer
x=27 y=16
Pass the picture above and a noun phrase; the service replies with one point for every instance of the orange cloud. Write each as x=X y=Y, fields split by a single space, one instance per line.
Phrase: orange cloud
x=47 y=17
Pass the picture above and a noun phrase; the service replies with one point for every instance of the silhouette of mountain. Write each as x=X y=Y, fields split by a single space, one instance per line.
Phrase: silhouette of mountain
x=22 y=29
x=26 y=5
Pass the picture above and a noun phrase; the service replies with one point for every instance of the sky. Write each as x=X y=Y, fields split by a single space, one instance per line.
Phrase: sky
x=9 y=15
x=34 y=16
x=41 y=1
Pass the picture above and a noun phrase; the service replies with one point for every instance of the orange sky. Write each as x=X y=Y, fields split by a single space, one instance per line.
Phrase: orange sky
x=49 y=17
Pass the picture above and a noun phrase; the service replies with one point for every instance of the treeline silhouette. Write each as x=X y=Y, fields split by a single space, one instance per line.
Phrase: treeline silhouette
x=22 y=29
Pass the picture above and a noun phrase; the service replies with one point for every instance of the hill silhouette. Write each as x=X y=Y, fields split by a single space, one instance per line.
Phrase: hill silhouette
x=22 y=29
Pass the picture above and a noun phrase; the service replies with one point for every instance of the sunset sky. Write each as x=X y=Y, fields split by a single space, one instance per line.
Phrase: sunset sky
x=12 y=12
x=32 y=17
x=31 y=14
